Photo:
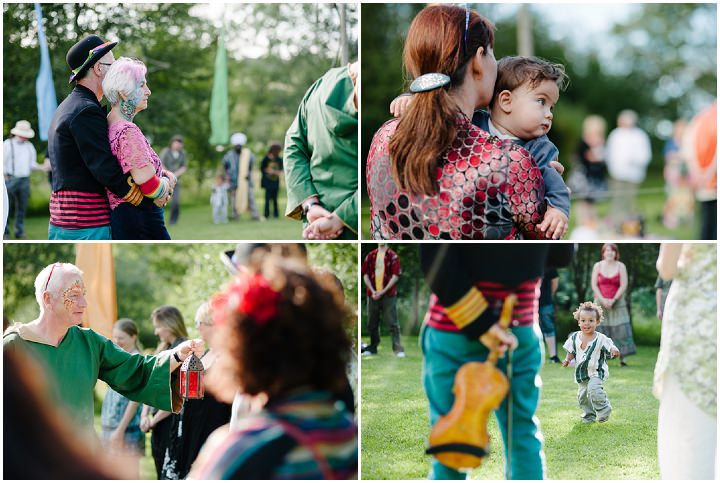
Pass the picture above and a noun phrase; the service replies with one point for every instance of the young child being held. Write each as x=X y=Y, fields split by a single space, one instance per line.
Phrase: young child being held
x=590 y=350
x=521 y=111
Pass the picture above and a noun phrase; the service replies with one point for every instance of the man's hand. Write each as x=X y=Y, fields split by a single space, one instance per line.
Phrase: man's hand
x=193 y=345
x=324 y=228
x=554 y=224
x=378 y=295
x=316 y=212
x=497 y=338
x=659 y=314
x=558 y=166
x=400 y=105
x=145 y=424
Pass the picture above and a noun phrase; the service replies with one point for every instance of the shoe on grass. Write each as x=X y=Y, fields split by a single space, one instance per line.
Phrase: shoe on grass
x=555 y=360
x=400 y=354
x=368 y=353
x=603 y=420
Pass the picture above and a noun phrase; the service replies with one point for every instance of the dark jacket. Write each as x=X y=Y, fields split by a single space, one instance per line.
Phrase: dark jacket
x=79 y=148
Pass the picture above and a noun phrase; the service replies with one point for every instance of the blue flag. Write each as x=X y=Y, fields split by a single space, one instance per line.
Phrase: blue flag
x=44 y=86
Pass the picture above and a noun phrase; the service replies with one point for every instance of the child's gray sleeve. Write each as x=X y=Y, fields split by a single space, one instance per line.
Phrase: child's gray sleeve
x=556 y=192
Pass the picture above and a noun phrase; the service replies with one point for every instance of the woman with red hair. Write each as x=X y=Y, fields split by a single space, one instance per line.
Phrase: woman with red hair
x=609 y=283
x=449 y=179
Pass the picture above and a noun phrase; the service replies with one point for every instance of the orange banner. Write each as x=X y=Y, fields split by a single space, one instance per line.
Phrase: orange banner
x=96 y=261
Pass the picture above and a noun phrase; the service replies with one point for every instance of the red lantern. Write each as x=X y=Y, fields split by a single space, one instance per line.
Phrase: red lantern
x=192 y=372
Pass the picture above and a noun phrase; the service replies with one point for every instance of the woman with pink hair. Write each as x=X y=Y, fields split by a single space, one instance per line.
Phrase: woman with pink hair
x=127 y=91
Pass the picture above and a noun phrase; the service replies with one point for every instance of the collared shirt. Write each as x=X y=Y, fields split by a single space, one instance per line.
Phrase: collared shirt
x=592 y=360
x=19 y=158
x=392 y=267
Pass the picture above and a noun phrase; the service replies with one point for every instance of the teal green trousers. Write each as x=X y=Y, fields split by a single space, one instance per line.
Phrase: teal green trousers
x=444 y=353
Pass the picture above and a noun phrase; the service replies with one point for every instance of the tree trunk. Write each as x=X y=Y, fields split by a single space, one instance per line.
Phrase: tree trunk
x=524 y=31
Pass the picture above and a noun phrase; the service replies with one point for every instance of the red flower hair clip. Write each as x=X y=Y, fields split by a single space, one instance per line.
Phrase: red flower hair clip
x=249 y=295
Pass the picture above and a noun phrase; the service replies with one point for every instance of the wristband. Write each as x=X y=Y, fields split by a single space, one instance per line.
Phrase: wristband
x=134 y=196
x=155 y=187
x=177 y=358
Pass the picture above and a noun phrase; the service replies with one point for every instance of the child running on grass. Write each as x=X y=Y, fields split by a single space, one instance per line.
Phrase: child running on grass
x=590 y=350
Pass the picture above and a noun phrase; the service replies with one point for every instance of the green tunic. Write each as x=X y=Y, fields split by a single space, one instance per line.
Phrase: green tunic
x=84 y=356
x=321 y=150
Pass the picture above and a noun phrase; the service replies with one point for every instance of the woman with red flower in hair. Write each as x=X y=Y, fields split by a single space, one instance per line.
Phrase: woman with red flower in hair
x=279 y=339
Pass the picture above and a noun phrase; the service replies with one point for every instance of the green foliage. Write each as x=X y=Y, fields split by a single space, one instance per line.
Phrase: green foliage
x=150 y=275
x=21 y=264
x=178 y=45
x=395 y=423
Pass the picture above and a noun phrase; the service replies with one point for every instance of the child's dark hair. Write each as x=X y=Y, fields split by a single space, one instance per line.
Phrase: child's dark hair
x=303 y=344
x=589 y=307
x=514 y=71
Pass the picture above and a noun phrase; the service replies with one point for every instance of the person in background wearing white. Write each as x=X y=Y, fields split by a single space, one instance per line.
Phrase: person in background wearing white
x=19 y=160
x=686 y=370
x=627 y=156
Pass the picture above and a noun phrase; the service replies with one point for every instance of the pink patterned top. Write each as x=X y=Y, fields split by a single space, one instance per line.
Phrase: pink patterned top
x=488 y=189
x=132 y=150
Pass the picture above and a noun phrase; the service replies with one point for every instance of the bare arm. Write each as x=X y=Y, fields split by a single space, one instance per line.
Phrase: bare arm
x=667 y=260
x=127 y=417
x=623 y=282
x=159 y=416
x=554 y=284
x=368 y=283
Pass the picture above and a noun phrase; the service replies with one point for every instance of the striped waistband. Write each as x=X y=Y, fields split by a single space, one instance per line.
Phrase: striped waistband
x=77 y=209
x=524 y=313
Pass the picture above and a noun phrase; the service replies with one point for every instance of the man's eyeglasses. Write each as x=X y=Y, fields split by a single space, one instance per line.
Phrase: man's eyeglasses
x=104 y=63
x=198 y=323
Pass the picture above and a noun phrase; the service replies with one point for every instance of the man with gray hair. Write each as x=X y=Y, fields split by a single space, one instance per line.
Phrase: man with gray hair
x=628 y=155
x=74 y=357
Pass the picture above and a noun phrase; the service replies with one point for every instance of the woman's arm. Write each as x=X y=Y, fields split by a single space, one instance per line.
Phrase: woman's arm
x=667 y=260
x=623 y=282
x=159 y=416
x=118 y=435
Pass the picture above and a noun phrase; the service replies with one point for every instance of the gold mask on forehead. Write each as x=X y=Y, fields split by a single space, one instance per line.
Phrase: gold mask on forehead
x=72 y=290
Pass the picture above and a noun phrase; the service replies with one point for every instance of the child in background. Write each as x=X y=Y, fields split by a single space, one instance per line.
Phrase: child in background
x=590 y=350
x=219 y=200
x=526 y=91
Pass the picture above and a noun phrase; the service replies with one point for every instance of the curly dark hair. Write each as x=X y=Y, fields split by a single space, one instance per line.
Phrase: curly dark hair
x=303 y=345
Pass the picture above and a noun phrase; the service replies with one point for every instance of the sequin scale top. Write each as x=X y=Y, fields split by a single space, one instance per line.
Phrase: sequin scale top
x=488 y=189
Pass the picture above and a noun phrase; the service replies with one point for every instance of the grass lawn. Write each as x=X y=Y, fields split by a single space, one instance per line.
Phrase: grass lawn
x=195 y=223
x=650 y=205
x=395 y=423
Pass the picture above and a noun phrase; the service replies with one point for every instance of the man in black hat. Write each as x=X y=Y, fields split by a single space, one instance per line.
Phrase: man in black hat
x=82 y=164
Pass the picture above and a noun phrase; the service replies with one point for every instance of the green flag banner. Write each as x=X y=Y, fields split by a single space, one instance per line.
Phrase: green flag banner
x=219 y=111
